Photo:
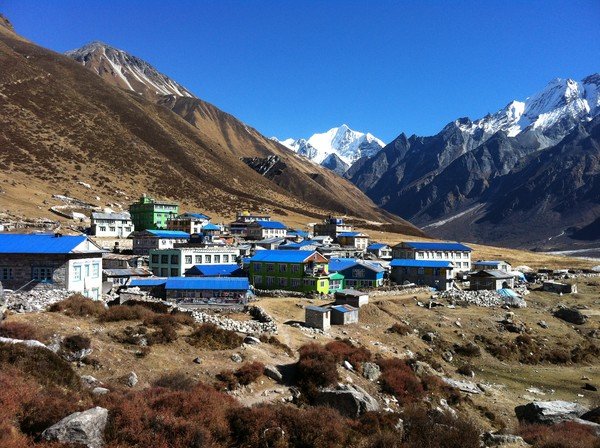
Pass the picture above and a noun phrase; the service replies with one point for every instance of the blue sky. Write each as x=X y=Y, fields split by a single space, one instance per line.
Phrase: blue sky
x=296 y=68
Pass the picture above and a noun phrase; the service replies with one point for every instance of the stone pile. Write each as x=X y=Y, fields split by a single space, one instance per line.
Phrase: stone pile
x=278 y=293
x=483 y=298
x=247 y=327
x=34 y=300
x=398 y=290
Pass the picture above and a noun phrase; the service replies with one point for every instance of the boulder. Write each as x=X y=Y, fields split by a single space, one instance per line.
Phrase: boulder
x=463 y=386
x=349 y=400
x=492 y=439
x=89 y=381
x=347 y=365
x=571 y=315
x=197 y=360
x=85 y=428
x=100 y=391
x=273 y=373
x=27 y=342
x=592 y=416
x=131 y=380
x=251 y=340
x=371 y=371
x=236 y=357
x=549 y=412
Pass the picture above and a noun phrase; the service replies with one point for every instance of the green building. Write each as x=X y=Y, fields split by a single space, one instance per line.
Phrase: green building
x=336 y=282
x=291 y=270
x=150 y=214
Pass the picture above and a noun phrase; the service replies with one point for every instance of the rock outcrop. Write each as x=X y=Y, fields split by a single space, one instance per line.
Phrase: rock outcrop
x=350 y=400
x=86 y=428
x=549 y=412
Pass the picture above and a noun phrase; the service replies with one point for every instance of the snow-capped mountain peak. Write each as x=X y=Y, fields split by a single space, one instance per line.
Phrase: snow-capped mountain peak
x=342 y=141
x=126 y=71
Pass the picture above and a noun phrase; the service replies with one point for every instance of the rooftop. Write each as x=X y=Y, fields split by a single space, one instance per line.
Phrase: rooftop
x=434 y=245
x=270 y=224
x=318 y=309
x=44 y=243
x=407 y=263
x=200 y=216
x=168 y=233
x=351 y=234
x=213 y=270
x=154 y=281
x=340 y=264
x=284 y=256
x=208 y=283
x=122 y=216
x=344 y=308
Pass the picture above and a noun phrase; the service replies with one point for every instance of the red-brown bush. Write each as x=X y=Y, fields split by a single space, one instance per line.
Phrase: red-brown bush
x=123 y=312
x=398 y=379
x=344 y=350
x=78 y=305
x=211 y=337
x=76 y=342
x=562 y=435
x=246 y=374
x=315 y=368
x=400 y=328
x=19 y=330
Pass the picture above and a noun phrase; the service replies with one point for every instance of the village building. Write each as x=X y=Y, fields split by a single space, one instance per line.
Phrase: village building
x=176 y=261
x=240 y=225
x=332 y=227
x=270 y=243
x=358 y=273
x=208 y=291
x=155 y=286
x=336 y=282
x=51 y=261
x=344 y=315
x=456 y=253
x=214 y=270
x=297 y=235
x=317 y=317
x=150 y=214
x=351 y=297
x=324 y=240
x=490 y=280
x=121 y=261
x=559 y=288
x=122 y=276
x=147 y=240
x=498 y=265
x=188 y=222
x=302 y=245
x=380 y=250
x=437 y=274
x=211 y=230
x=112 y=225
x=293 y=270
x=357 y=240
x=260 y=230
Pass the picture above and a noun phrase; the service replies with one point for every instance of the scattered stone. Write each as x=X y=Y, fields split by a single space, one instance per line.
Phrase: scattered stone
x=100 y=391
x=463 y=386
x=350 y=400
x=485 y=298
x=535 y=391
x=236 y=357
x=492 y=439
x=428 y=337
x=447 y=356
x=34 y=300
x=252 y=340
x=86 y=428
x=197 y=360
x=549 y=412
x=371 y=371
x=131 y=380
x=571 y=315
x=89 y=381
x=273 y=373
x=543 y=324
x=347 y=365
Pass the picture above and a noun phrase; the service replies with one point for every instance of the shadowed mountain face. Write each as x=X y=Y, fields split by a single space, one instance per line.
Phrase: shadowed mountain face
x=471 y=181
x=61 y=123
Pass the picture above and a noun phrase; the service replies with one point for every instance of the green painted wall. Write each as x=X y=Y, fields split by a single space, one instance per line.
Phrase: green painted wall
x=287 y=276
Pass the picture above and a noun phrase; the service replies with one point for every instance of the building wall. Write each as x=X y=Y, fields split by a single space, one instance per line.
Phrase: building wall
x=316 y=319
x=152 y=215
x=116 y=228
x=174 y=262
x=287 y=276
x=260 y=233
x=460 y=259
x=438 y=278
x=359 y=276
x=188 y=225
x=490 y=283
x=339 y=318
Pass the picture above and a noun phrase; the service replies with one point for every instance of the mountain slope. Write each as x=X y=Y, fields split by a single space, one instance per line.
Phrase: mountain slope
x=346 y=144
x=61 y=123
x=433 y=180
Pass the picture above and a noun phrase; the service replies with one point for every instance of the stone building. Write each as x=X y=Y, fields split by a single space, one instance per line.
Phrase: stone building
x=112 y=225
x=317 y=317
x=491 y=280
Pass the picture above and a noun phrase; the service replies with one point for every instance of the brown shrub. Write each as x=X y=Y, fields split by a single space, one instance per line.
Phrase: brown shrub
x=316 y=367
x=123 y=312
x=562 y=435
x=398 y=379
x=78 y=305
x=211 y=337
x=466 y=370
x=175 y=381
x=469 y=349
x=19 y=330
x=274 y=341
x=400 y=328
x=344 y=350
x=77 y=342
x=246 y=374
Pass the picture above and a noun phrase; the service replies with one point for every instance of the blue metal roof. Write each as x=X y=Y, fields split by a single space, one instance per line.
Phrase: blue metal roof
x=194 y=215
x=42 y=243
x=147 y=281
x=419 y=263
x=282 y=256
x=271 y=224
x=339 y=264
x=211 y=226
x=349 y=234
x=208 y=283
x=489 y=263
x=169 y=233
x=376 y=246
x=344 y=308
x=299 y=245
x=302 y=233
x=213 y=270
x=424 y=245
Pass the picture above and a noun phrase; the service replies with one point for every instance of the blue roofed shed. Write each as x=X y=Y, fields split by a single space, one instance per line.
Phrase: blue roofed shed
x=208 y=291
x=344 y=315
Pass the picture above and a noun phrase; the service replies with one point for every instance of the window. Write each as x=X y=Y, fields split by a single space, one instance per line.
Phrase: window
x=283 y=268
x=283 y=281
x=6 y=273
x=358 y=273
x=103 y=228
x=164 y=272
x=295 y=268
x=198 y=259
x=420 y=271
x=87 y=270
x=95 y=270
x=217 y=258
x=322 y=283
x=257 y=280
x=76 y=273
x=112 y=228
x=208 y=259
x=270 y=281
x=174 y=259
x=155 y=258
x=164 y=259
x=295 y=283
x=256 y=267
x=270 y=267
x=188 y=259
x=226 y=259
x=174 y=272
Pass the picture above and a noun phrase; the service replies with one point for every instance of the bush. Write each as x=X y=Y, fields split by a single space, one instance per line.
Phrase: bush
x=78 y=305
x=175 y=381
x=345 y=351
x=246 y=374
x=316 y=367
x=123 y=312
x=561 y=435
x=398 y=379
x=19 y=330
x=274 y=341
x=76 y=343
x=469 y=349
x=211 y=337
x=400 y=328
x=466 y=370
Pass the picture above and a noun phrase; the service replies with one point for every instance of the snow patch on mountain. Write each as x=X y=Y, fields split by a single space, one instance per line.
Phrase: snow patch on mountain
x=346 y=144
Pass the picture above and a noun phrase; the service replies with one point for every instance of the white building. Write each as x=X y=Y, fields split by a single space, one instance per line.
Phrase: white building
x=147 y=240
x=499 y=265
x=188 y=222
x=175 y=262
x=261 y=230
x=456 y=253
x=115 y=225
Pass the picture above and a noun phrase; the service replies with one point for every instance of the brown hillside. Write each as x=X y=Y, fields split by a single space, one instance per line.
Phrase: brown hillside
x=61 y=123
